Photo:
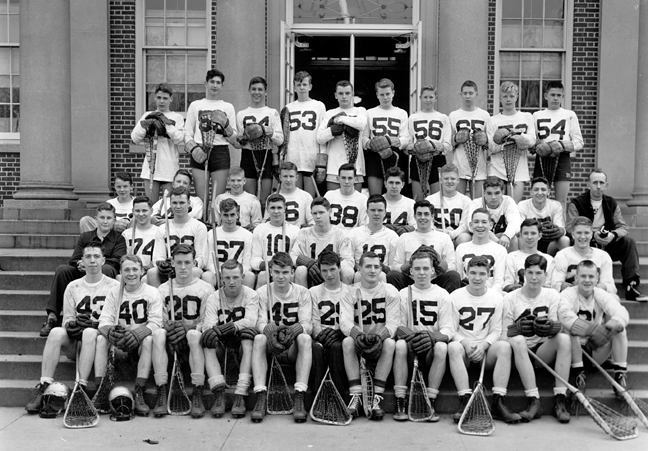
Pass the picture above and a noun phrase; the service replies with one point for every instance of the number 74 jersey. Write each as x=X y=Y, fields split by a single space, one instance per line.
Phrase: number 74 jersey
x=477 y=318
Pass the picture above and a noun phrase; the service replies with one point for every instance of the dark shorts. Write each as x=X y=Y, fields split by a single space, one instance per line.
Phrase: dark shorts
x=373 y=166
x=563 y=168
x=305 y=174
x=437 y=163
x=219 y=159
x=251 y=160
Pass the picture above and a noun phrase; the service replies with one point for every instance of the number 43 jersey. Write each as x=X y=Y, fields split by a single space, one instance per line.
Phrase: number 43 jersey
x=430 y=309
x=142 y=307
x=380 y=309
x=83 y=297
x=477 y=318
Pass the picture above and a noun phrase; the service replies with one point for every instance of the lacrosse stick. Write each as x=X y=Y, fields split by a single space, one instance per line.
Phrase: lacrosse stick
x=443 y=224
x=279 y=400
x=80 y=412
x=283 y=236
x=511 y=157
x=382 y=164
x=351 y=147
x=284 y=116
x=208 y=134
x=366 y=380
x=150 y=145
x=419 y=408
x=317 y=193
x=613 y=423
x=548 y=167
x=633 y=403
x=328 y=406
x=476 y=418
x=424 y=169
x=131 y=250
x=472 y=153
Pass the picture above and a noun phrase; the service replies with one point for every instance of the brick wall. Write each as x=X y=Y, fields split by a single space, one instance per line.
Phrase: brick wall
x=9 y=175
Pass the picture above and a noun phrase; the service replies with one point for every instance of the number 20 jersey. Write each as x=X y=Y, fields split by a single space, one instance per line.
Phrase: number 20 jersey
x=142 y=307
x=189 y=301
x=477 y=318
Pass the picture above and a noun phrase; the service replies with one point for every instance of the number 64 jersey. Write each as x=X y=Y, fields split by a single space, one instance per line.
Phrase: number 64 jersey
x=380 y=309
x=142 y=307
x=477 y=318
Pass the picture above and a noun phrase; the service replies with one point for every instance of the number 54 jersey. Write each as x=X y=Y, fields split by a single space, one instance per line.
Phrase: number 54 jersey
x=477 y=318
x=379 y=307
x=142 y=307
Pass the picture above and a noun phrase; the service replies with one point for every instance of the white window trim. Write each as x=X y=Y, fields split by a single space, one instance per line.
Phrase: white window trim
x=567 y=59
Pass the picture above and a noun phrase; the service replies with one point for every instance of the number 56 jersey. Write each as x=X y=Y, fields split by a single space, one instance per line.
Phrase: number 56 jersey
x=142 y=307
x=379 y=307
x=477 y=318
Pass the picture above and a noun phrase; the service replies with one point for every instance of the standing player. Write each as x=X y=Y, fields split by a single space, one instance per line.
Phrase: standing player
x=511 y=125
x=430 y=311
x=258 y=156
x=305 y=117
x=449 y=204
x=181 y=333
x=386 y=134
x=182 y=178
x=559 y=130
x=168 y=138
x=348 y=206
x=339 y=131
x=249 y=206
x=144 y=231
x=298 y=201
x=130 y=326
x=400 y=209
x=234 y=242
x=288 y=330
x=374 y=339
x=530 y=321
x=477 y=318
x=225 y=127
x=530 y=234
x=433 y=127
x=311 y=241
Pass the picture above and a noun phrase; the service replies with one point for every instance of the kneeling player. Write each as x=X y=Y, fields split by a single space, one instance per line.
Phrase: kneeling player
x=179 y=335
x=230 y=317
x=378 y=304
x=477 y=316
x=425 y=329
x=531 y=322
x=287 y=331
x=127 y=321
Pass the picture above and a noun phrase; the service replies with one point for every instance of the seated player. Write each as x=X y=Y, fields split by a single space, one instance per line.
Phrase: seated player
x=373 y=341
x=183 y=229
x=568 y=259
x=503 y=211
x=114 y=248
x=597 y=323
x=481 y=244
x=449 y=204
x=249 y=206
x=348 y=206
x=82 y=304
x=425 y=234
x=144 y=231
x=400 y=209
x=181 y=332
x=477 y=318
x=298 y=201
x=374 y=237
x=530 y=234
x=550 y=214
x=182 y=178
x=428 y=309
x=312 y=241
x=327 y=335
x=230 y=319
x=268 y=237
x=530 y=321
x=287 y=332
x=123 y=204
x=129 y=326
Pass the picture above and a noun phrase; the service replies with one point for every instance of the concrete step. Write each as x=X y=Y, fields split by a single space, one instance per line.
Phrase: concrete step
x=642 y=248
x=26 y=280
x=28 y=367
x=45 y=214
x=637 y=351
x=638 y=330
x=33 y=259
x=638 y=310
x=23 y=299
x=20 y=343
x=38 y=227
x=49 y=241
x=643 y=269
x=22 y=320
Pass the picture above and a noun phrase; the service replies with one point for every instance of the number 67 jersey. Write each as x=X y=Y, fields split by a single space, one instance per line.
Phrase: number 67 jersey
x=142 y=307
x=477 y=318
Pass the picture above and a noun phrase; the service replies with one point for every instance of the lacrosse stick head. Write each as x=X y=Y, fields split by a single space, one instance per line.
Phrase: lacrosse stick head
x=178 y=401
x=122 y=404
x=101 y=398
x=472 y=153
x=612 y=422
x=350 y=147
x=279 y=400
x=80 y=412
x=511 y=157
x=231 y=367
x=419 y=408
x=476 y=418
x=328 y=406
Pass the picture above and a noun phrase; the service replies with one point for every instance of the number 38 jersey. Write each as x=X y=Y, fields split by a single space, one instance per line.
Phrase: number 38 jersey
x=380 y=309
x=305 y=118
x=477 y=318
x=189 y=301
x=83 y=297
x=347 y=211
x=291 y=308
x=142 y=307
x=516 y=306
x=144 y=243
x=430 y=309
x=326 y=307
x=243 y=310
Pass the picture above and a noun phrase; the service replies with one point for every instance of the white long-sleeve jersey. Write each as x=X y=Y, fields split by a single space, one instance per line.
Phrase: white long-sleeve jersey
x=249 y=208
x=516 y=305
x=195 y=205
x=311 y=243
x=477 y=318
x=83 y=297
x=347 y=211
x=326 y=306
x=265 y=116
x=192 y=232
x=400 y=212
x=305 y=121
x=391 y=122
x=296 y=306
x=144 y=243
x=505 y=218
x=551 y=212
x=383 y=243
x=192 y=124
x=566 y=263
x=429 y=309
x=558 y=125
x=431 y=126
x=409 y=242
x=268 y=238
x=476 y=120
x=380 y=309
x=356 y=117
x=142 y=307
x=243 y=310
x=515 y=262
x=494 y=252
x=235 y=245
x=189 y=302
x=453 y=209
x=522 y=122
x=298 y=208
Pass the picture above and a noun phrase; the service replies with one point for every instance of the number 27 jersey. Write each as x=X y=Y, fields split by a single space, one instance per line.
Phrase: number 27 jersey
x=477 y=318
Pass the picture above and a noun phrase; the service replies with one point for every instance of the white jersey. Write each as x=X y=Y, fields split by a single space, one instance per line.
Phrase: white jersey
x=287 y=309
x=265 y=116
x=477 y=318
x=383 y=243
x=432 y=126
x=235 y=245
x=268 y=238
x=88 y=298
x=400 y=212
x=311 y=243
x=519 y=121
x=453 y=208
x=192 y=232
x=515 y=266
x=495 y=253
x=167 y=159
x=429 y=309
x=249 y=208
x=356 y=117
x=142 y=307
x=567 y=260
x=121 y=210
x=380 y=309
x=243 y=310
x=409 y=242
x=298 y=208
x=144 y=243
x=505 y=218
x=476 y=120
x=551 y=212
x=189 y=302
x=192 y=125
x=305 y=120
x=347 y=211
x=516 y=306
x=195 y=207
x=392 y=122
x=558 y=125
x=326 y=306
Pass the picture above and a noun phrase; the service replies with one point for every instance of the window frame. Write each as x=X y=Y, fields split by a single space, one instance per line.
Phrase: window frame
x=10 y=137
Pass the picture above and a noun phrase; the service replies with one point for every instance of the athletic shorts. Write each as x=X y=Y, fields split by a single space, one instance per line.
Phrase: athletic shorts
x=251 y=160
x=219 y=159
x=437 y=163
x=563 y=168
x=305 y=175
x=373 y=166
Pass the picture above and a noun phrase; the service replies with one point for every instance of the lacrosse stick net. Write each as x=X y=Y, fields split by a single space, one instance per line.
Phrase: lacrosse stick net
x=548 y=167
x=419 y=408
x=476 y=418
x=101 y=400
x=351 y=147
x=80 y=411
x=328 y=406
x=511 y=157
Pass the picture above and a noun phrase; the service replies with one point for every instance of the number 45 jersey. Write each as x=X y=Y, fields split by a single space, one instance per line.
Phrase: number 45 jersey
x=477 y=318
x=429 y=309
x=380 y=309
x=142 y=307
x=293 y=307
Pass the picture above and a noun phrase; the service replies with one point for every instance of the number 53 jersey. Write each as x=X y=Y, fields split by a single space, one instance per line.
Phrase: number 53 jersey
x=142 y=307
x=379 y=307
x=477 y=318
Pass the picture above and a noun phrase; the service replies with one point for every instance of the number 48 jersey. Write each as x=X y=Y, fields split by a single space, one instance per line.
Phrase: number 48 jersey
x=142 y=307
x=88 y=298
x=516 y=306
x=429 y=309
x=477 y=318
x=144 y=243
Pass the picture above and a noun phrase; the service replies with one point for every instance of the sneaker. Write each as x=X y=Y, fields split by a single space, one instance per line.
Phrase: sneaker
x=560 y=411
x=299 y=411
x=502 y=413
x=620 y=378
x=401 y=410
x=47 y=327
x=197 y=404
x=141 y=408
x=218 y=409
x=161 y=407
x=463 y=402
x=238 y=408
x=533 y=410
x=34 y=406
x=354 y=405
x=633 y=293
x=377 y=413
x=260 y=408
x=435 y=416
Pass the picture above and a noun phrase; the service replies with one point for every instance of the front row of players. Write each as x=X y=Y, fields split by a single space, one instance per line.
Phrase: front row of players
x=319 y=327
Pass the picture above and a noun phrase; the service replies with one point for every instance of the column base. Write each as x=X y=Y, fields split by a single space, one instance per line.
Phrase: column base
x=45 y=191
x=41 y=209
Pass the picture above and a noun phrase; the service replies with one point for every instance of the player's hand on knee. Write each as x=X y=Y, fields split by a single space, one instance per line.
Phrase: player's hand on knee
x=404 y=333
x=600 y=337
x=74 y=330
x=422 y=343
x=614 y=326
x=85 y=320
x=248 y=333
x=210 y=338
x=522 y=326
x=227 y=329
x=543 y=326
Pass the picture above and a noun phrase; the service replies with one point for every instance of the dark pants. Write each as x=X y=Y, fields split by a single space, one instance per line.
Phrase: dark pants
x=62 y=277
x=624 y=250
x=449 y=281
x=334 y=358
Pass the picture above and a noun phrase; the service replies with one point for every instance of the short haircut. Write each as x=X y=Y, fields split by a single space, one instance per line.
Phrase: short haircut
x=589 y=264
x=130 y=258
x=281 y=259
x=105 y=206
x=376 y=198
x=597 y=171
x=539 y=179
x=95 y=244
x=395 y=171
x=327 y=257
x=124 y=177
x=347 y=167
x=469 y=84
x=321 y=201
x=536 y=260
x=429 y=88
x=142 y=200
x=494 y=182
x=479 y=260
x=229 y=205
x=449 y=168
x=211 y=73
x=366 y=255
x=163 y=87
x=480 y=210
x=288 y=166
x=384 y=83
x=255 y=80
x=531 y=222
x=582 y=221
x=276 y=197
x=185 y=173
x=179 y=191
x=232 y=264
x=554 y=85
x=421 y=254
x=423 y=204
x=235 y=171
x=343 y=84
x=509 y=86
x=302 y=75
x=184 y=249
